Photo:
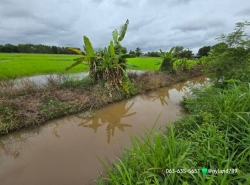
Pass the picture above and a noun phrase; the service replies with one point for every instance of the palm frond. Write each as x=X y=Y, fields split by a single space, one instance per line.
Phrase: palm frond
x=75 y=50
x=111 y=49
x=86 y=58
x=171 y=50
x=123 y=30
x=78 y=61
x=88 y=47
x=106 y=55
x=115 y=35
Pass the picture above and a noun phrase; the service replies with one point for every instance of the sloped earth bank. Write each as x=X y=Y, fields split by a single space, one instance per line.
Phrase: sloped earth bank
x=63 y=151
x=31 y=104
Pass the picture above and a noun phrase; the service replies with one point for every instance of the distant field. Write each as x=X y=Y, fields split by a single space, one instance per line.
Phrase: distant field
x=145 y=63
x=16 y=65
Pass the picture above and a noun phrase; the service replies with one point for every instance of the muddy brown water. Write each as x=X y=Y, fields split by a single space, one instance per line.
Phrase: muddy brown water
x=63 y=151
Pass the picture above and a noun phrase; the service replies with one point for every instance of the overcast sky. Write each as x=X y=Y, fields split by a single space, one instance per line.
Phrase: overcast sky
x=154 y=24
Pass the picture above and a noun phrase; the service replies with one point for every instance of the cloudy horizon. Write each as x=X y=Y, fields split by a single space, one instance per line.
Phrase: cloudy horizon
x=154 y=24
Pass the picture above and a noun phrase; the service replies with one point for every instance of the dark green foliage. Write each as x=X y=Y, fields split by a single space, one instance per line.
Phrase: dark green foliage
x=230 y=58
x=34 y=48
x=121 y=49
x=185 y=54
x=83 y=83
x=177 y=51
x=128 y=56
x=167 y=65
x=8 y=48
x=132 y=52
x=154 y=54
x=180 y=52
x=204 y=51
x=138 y=52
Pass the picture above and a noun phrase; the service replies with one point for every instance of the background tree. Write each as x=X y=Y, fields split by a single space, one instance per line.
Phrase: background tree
x=138 y=51
x=230 y=57
x=34 y=48
x=177 y=51
x=185 y=54
x=180 y=52
x=54 y=49
x=204 y=51
x=154 y=54
x=124 y=50
x=132 y=52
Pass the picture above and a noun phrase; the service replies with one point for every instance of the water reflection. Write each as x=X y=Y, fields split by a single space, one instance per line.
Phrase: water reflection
x=160 y=95
x=198 y=82
x=180 y=87
x=14 y=145
x=109 y=118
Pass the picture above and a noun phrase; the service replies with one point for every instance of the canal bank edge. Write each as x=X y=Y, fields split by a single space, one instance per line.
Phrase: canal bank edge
x=32 y=105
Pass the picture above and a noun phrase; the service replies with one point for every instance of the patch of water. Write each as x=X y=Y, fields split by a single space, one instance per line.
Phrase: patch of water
x=64 y=150
x=43 y=79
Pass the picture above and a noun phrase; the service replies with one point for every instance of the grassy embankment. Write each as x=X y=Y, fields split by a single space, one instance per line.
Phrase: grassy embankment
x=16 y=65
x=214 y=135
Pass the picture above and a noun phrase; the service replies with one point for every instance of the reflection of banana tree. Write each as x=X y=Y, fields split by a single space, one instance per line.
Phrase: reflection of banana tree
x=180 y=86
x=10 y=149
x=160 y=94
x=111 y=117
x=13 y=144
x=197 y=81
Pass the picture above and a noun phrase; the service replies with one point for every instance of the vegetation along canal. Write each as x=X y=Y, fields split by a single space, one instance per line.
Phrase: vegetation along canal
x=64 y=150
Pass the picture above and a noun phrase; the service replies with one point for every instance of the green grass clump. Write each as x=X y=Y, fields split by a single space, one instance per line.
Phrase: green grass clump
x=74 y=83
x=214 y=135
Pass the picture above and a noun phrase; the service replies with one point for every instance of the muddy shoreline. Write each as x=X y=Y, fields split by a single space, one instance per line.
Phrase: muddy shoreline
x=32 y=105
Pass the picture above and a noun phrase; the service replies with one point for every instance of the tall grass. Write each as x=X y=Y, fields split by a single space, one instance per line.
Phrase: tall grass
x=214 y=135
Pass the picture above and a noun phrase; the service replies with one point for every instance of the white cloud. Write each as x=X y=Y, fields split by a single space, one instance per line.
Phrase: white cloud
x=154 y=24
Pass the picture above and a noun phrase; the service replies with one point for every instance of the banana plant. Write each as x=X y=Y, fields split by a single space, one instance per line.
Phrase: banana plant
x=107 y=64
x=167 y=62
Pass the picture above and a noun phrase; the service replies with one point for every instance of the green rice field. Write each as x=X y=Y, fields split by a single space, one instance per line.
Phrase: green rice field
x=17 y=65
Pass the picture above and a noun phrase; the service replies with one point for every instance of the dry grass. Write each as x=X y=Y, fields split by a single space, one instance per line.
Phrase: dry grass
x=29 y=104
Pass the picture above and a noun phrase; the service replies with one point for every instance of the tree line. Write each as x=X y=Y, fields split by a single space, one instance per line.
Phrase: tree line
x=179 y=51
x=34 y=48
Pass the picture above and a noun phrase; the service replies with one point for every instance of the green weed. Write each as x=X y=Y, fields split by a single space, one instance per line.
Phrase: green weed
x=83 y=83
